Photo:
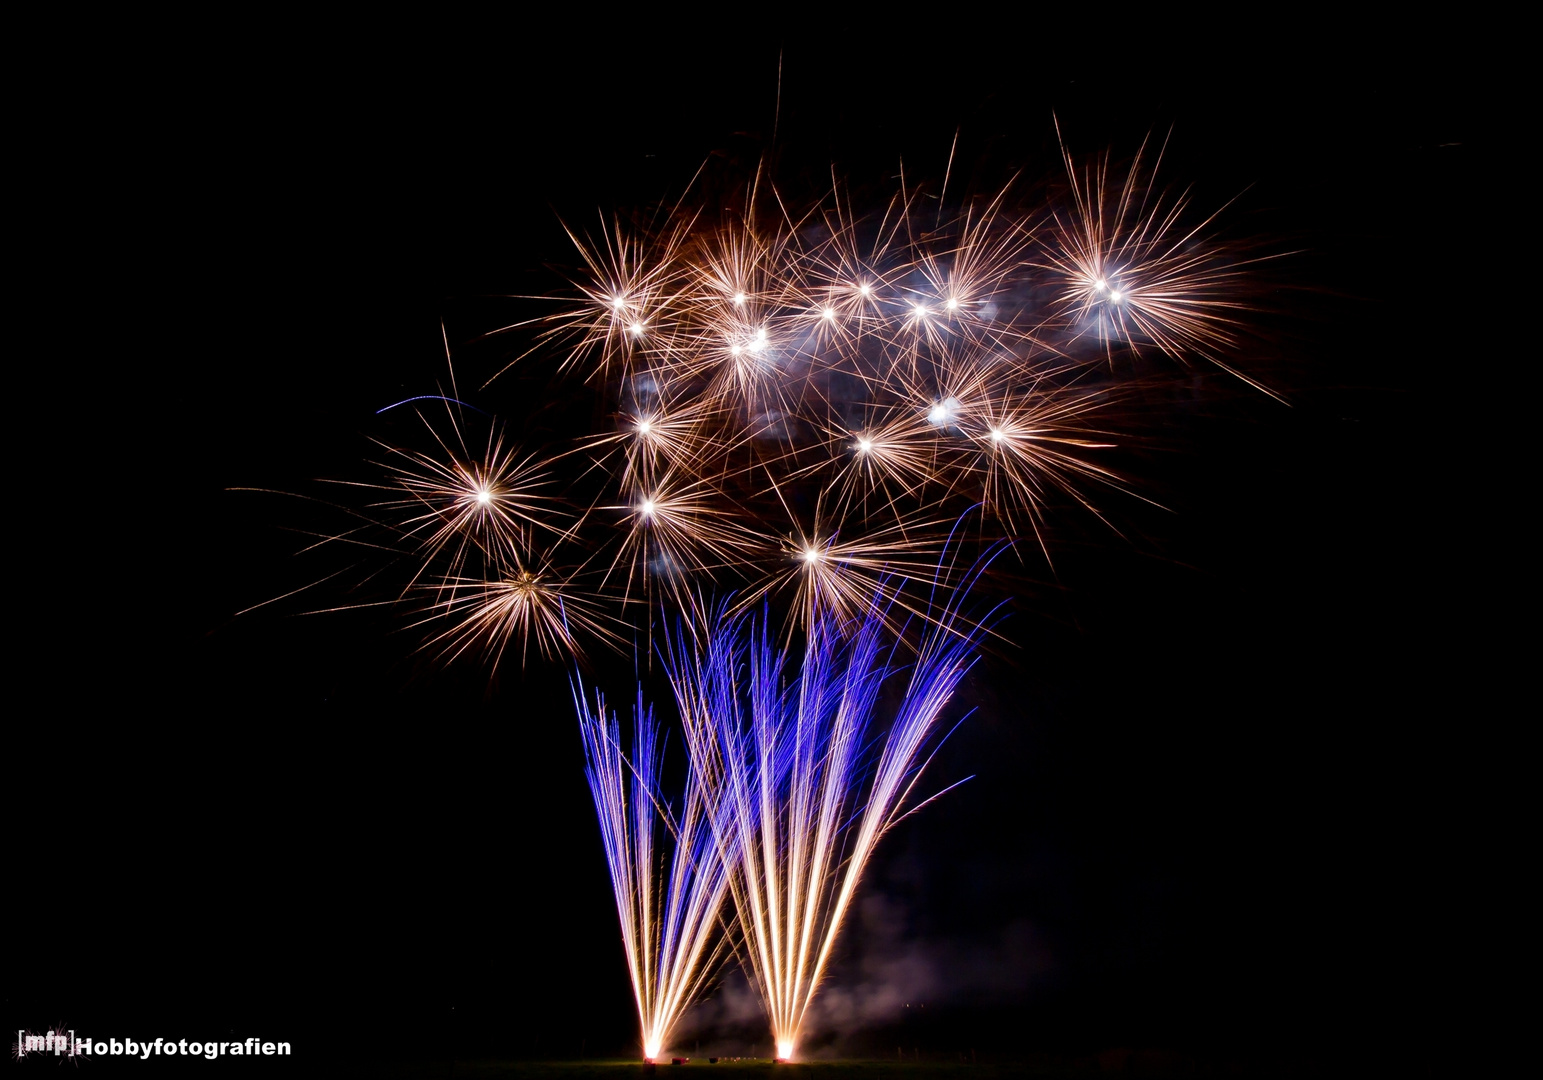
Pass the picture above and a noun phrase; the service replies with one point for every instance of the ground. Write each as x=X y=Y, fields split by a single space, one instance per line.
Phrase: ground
x=1122 y=1062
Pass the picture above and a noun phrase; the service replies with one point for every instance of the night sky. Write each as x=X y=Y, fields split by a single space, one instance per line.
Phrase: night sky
x=1218 y=763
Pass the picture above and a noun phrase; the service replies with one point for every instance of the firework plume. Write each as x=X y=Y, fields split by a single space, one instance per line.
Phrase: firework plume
x=808 y=776
x=668 y=904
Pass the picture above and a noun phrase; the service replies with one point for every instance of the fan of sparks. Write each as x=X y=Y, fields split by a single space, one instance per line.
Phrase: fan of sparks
x=802 y=405
x=795 y=773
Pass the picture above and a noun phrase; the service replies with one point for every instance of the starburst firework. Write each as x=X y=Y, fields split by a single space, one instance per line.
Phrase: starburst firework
x=805 y=401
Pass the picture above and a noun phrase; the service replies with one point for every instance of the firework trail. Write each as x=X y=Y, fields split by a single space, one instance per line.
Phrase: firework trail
x=807 y=777
x=669 y=923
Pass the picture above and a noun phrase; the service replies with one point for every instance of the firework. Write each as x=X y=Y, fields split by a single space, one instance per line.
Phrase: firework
x=804 y=399
x=458 y=503
x=669 y=924
x=806 y=782
x=1133 y=270
x=825 y=575
x=516 y=606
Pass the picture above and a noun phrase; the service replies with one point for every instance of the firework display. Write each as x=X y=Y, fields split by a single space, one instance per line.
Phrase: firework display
x=819 y=424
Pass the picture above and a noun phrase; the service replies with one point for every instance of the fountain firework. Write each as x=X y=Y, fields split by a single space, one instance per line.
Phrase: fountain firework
x=669 y=928
x=806 y=776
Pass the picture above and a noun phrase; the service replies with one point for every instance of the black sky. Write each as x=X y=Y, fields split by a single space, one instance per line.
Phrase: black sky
x=1218 y=785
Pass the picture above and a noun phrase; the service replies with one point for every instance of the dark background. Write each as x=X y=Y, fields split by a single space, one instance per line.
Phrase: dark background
x=1222 y=771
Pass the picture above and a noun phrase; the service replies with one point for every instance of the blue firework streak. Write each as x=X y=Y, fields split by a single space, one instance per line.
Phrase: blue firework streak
x=807 y=775
x=669 y=926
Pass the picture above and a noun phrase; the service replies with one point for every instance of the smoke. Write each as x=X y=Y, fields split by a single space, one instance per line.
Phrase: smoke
x=886 y=975
x=891 y=976
x=729 y=1023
